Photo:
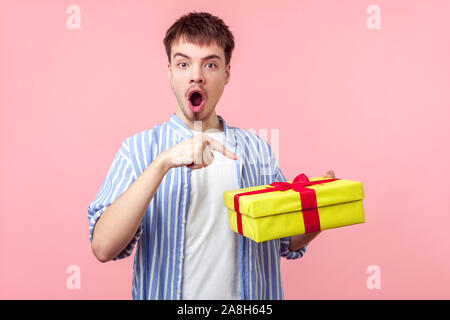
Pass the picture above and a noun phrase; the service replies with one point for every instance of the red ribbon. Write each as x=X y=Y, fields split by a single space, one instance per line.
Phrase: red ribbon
x=307 y=198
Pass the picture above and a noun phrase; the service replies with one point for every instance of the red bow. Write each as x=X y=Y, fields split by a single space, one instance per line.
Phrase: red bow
x=298 y=184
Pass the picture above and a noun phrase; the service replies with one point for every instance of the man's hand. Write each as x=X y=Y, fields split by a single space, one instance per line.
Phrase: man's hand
x=298 y=242
x=194 y=153
x=329 y=174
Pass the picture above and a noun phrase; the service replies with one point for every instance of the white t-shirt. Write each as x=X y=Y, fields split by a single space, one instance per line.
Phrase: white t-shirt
x=210 y=268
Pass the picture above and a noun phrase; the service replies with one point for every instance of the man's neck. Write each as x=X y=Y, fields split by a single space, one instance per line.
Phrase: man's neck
x=201 y=125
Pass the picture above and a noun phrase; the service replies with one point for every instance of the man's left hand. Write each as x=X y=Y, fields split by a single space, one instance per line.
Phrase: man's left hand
x=329 y=174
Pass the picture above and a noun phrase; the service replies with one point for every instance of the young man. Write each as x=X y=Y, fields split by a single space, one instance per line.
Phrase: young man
x=164 y=189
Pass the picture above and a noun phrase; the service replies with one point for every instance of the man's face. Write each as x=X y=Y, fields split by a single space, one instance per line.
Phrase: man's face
x=197 y=68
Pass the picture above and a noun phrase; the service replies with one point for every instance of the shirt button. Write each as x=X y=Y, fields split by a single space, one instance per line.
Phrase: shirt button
x=182 y=257
x=184 y=221
x=185 y=186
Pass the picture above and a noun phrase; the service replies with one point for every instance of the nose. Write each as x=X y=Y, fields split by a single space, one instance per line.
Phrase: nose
x=197 y=76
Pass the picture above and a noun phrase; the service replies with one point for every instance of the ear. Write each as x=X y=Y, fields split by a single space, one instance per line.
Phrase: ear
x=227 y=70
x=168 y=70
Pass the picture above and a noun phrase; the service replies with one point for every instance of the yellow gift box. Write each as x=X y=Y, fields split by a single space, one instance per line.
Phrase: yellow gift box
x=304 y=205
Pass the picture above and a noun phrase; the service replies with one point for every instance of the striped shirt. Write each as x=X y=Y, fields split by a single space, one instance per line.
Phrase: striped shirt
x=158 y=261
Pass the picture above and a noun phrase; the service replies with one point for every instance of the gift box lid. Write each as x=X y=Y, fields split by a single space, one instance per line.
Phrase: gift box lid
x=277 y=202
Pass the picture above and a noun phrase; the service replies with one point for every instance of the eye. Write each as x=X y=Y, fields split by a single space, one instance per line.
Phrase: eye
x=182 y=64
x=211 y=64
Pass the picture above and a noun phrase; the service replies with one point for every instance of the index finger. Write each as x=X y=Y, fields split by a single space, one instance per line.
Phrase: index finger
x=216 y=145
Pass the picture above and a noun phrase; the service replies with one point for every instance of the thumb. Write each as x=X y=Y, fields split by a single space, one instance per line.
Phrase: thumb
x=330 y=174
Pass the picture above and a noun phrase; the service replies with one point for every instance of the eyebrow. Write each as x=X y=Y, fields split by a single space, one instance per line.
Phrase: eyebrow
x=211 y=56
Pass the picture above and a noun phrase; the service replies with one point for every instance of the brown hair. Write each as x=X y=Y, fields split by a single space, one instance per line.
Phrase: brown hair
x=200 y=28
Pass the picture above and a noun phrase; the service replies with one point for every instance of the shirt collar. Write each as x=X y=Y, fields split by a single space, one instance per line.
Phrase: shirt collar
x=182 y=129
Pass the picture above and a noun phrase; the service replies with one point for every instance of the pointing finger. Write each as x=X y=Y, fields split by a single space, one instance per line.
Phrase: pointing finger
x=216 y=145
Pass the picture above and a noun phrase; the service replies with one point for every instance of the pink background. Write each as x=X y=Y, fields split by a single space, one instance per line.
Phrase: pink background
x=373 y=105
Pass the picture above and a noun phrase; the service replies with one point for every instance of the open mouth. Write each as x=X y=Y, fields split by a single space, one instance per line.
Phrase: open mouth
x=196 y=100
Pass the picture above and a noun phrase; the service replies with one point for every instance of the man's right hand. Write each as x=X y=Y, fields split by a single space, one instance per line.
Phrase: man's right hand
x=195 y=153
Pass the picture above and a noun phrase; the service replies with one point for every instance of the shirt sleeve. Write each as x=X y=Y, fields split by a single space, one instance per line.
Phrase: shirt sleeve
x=119 y=177
x=278 y=176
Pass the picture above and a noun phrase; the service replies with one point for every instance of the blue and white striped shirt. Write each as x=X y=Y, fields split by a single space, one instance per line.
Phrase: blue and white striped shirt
x=158 y=262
